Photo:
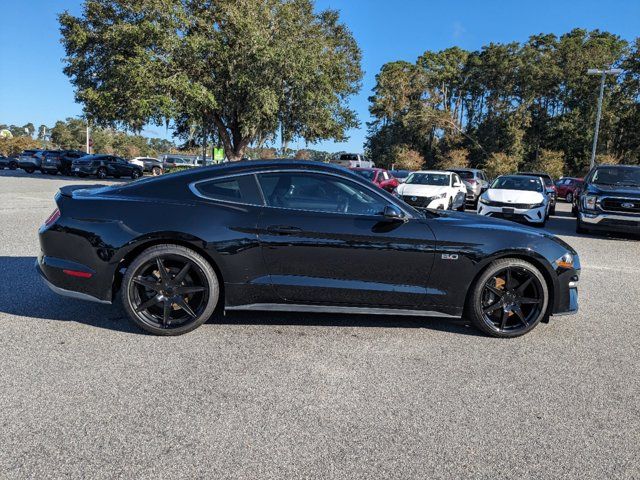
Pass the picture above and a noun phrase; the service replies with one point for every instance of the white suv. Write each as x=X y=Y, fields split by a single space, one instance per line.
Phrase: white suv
x=433 y=189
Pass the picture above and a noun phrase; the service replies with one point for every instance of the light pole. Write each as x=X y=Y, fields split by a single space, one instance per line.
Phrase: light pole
x=603 y=74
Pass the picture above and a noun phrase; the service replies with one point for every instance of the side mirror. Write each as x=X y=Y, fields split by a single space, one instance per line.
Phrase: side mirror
x=392 y=213
x=457 y=184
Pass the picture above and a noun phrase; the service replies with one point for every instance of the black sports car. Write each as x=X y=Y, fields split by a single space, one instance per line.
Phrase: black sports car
x=296 y=236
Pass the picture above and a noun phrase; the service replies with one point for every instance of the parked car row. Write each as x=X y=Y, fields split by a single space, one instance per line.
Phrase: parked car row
x=76 y=162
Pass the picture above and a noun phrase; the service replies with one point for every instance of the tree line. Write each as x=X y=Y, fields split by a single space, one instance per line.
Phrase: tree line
x=70 y=134
x=509 y=106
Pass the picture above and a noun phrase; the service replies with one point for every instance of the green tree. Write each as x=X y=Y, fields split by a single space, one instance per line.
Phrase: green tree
x=242 y=71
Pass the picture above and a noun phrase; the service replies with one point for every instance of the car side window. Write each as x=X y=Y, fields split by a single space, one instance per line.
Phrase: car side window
x=241 y=189
x=318 y=192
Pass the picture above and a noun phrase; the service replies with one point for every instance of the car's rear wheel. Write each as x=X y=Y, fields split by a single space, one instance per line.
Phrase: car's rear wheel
x=170 y=290
x=101 y=173
x=13 y=165
x=569 y=197
x=155 y=171
x=509 y=298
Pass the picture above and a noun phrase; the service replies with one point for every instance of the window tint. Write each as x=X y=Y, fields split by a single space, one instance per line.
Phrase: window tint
x=316 y=192
x=241 y=189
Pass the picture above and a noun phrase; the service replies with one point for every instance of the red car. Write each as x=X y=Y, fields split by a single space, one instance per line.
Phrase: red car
x=379 y=176
x=567 y=188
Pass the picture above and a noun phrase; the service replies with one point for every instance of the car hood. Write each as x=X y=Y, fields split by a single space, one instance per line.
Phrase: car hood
x=421 y=190
x=597 y=189
x=513 y=196
x=474 y=222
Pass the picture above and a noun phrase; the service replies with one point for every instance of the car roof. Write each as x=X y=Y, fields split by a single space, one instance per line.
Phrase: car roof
x=446 y=172
x=534 y=174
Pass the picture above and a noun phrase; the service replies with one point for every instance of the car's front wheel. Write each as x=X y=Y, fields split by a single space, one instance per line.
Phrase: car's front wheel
x=170 y=290
x=509 y=298
x=156 y=171
x=136 y=174
x=569 y=197
x=101 y=173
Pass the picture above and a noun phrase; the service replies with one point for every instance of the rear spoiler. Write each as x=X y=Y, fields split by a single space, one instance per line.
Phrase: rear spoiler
x=67 y=191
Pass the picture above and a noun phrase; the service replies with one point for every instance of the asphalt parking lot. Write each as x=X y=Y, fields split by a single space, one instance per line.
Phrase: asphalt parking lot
x=85 y=394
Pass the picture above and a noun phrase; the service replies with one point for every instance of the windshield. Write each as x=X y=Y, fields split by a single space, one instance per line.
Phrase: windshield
x=622 y=176
x=400 y=173
x=532 y=184
x=438 y=179
x=368 y=174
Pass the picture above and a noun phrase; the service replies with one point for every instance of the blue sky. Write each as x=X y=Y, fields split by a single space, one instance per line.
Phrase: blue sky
x=34 y=89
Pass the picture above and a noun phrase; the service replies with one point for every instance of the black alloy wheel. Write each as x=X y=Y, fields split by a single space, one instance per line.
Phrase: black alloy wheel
x=101 y=173
x=13 y=165
x=170 y=290
x=510 y=298
x=569 y=197
x=135 y=173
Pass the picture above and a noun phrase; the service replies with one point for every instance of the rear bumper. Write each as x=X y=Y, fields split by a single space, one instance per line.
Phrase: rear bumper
x=52 y=272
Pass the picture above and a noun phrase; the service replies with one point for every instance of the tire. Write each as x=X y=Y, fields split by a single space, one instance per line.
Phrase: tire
x=580 y=228
x=156 y=171
x=461 y=208
x=552 y=210
x=569 y=197
x=200 y=305
x=13 y=165
x=29 y=170
x=101 y=173
x=450 y=206
x=136 y=174
x=482 y=298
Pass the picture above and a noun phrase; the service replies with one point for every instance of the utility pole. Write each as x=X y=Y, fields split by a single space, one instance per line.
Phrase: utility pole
x=603 y=74
x=88 y=138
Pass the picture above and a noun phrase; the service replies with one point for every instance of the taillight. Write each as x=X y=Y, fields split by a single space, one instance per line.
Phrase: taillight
x=52 y=218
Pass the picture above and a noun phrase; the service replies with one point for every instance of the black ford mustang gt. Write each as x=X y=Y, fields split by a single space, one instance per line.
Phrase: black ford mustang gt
x=296 y=236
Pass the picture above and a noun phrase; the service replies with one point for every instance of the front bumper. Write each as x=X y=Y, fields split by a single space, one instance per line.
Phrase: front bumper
x=534 y=215
x=84 y=169
x=612 y=222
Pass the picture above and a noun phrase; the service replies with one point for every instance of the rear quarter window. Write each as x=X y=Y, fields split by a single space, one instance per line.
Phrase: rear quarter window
x=241 y=189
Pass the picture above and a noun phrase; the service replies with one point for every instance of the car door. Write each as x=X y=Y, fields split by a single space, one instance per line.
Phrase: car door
x=325 y=240
x=459 y=191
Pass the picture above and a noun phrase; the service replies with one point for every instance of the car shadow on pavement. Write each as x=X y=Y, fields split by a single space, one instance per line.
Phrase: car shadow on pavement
x=458 y=326
x=24 y=294
x=564 y=223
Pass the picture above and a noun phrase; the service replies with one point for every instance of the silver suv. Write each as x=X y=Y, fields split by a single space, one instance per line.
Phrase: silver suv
x=476 y=182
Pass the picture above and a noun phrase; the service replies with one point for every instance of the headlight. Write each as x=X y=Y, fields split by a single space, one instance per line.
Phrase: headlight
x=565 y=261
x=442 y=195
x=484 y=200
x=589 y=202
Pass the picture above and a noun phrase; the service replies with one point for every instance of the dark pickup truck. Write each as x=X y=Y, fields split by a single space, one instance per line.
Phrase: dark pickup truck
x=610 y=200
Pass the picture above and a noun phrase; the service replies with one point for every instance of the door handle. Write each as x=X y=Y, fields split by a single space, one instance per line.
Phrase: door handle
x=283 y=229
